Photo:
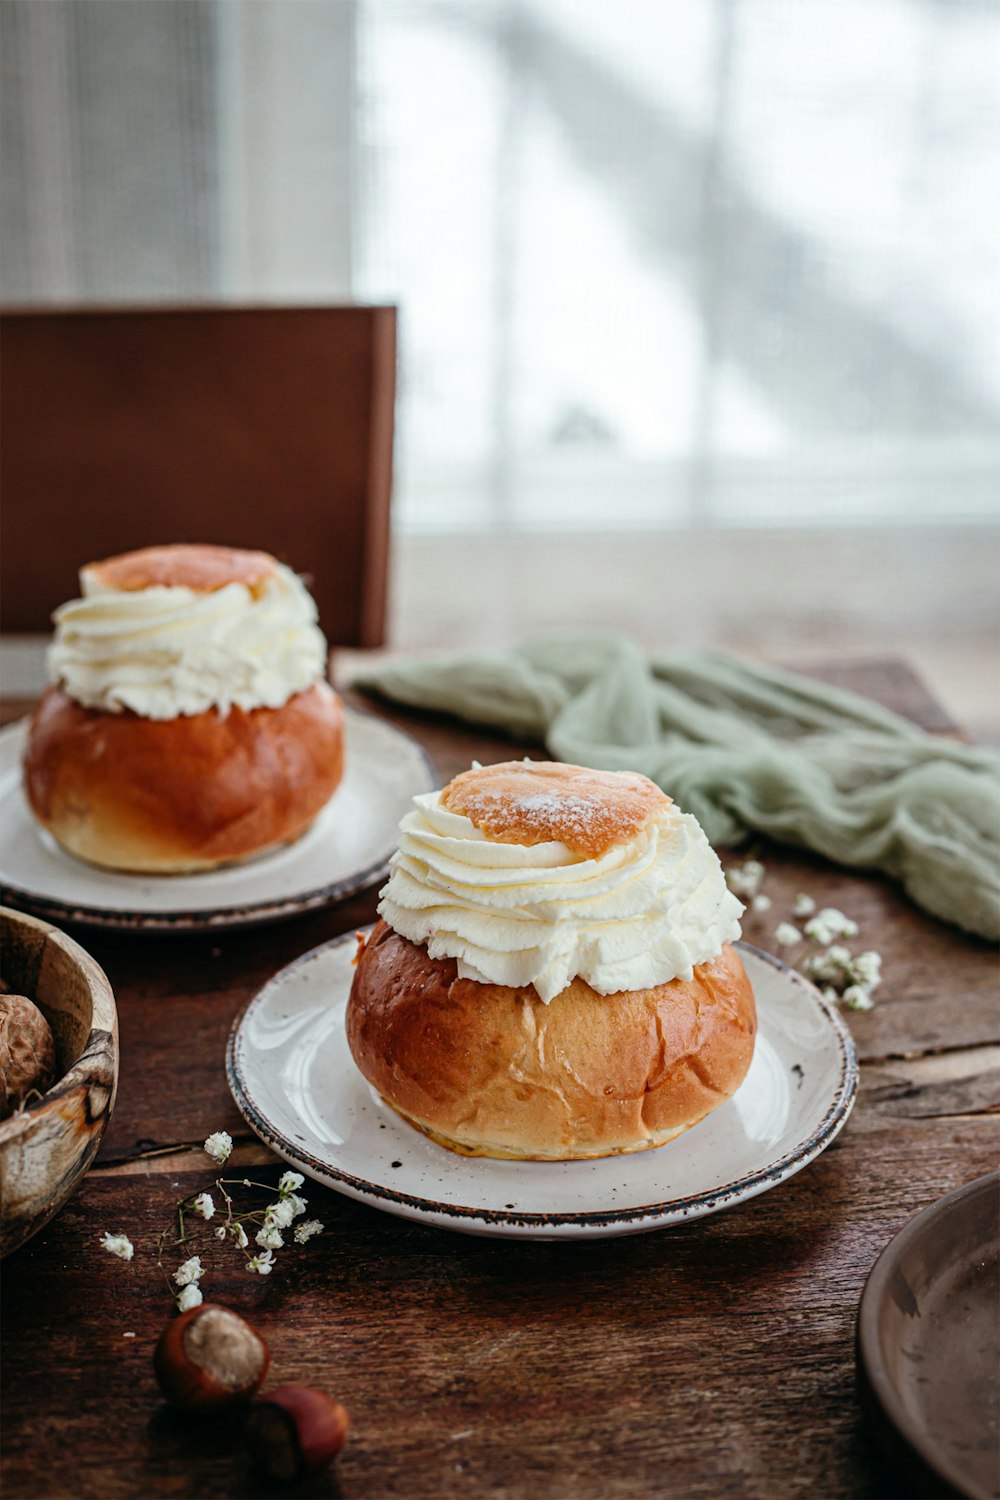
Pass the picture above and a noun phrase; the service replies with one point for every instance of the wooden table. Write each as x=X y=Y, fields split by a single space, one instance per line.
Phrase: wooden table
x=710 y=1360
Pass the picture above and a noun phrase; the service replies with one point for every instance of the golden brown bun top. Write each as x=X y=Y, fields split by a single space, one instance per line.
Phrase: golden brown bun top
x=190 y=565
x=532 y=802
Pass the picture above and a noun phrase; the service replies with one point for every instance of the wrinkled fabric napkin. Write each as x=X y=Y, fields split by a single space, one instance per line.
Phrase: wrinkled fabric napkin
x=746 y=748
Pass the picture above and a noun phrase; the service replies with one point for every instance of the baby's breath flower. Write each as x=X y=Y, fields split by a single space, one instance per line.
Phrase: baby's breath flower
x=118 y=1244
x=298 y=1204
x=220 y=1233
x=847 y=978
x=189 y=1297
x=239 y=1234
x=269 y=1238
x=866 y=969
x=203 y=1205
x=306 y=1230
x=192 y=1270
x=279 y=1215
x=804 y=905
x=830 y=966
x=786 y=936
x=288 y=1182
x=830 y=995
x=219 y=1146
x=829 y=924
x=261 y=1263
x=745 y=879
x=760 y=903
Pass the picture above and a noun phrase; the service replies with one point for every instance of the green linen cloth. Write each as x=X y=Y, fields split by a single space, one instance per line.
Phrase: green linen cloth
x=746 y=748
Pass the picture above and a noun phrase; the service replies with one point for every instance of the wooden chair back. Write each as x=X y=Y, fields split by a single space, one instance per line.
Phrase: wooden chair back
x=260 y=427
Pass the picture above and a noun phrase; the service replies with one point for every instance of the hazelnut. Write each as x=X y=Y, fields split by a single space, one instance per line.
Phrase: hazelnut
x=295 y=1431
x=27 y=1052
x=210 y=1358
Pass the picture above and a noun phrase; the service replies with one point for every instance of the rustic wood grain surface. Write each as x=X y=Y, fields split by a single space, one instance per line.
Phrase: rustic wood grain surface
x=715 y=1359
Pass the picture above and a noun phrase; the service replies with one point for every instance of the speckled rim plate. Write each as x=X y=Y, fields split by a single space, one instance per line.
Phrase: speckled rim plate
x=296 y=1085
x=346 y=850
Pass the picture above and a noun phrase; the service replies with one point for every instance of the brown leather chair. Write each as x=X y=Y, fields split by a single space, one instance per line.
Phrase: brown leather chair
x=257 y=427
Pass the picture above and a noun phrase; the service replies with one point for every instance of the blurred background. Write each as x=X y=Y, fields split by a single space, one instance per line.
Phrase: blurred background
x=699 y=299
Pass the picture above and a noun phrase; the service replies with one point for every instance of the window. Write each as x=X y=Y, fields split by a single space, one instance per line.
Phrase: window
x=659 y=262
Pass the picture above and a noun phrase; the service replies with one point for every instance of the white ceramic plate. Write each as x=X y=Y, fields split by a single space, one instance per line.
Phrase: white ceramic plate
x=296 y=1085
x=346 y=849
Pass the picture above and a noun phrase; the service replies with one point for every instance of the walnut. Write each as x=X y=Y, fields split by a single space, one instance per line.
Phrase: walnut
x=27 y=1052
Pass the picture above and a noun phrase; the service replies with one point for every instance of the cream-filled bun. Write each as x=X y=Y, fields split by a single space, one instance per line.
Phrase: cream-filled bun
x=188 y=723
x=552 y=976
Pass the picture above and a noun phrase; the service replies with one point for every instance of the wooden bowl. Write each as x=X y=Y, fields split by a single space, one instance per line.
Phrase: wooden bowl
x=47 y=1147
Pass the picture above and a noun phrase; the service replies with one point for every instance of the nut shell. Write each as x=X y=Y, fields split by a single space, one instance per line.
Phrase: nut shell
x=296 y=1431
x=27 y=1052
x=210 y=1358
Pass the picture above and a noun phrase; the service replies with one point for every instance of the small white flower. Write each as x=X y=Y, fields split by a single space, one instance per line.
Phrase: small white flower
x=118 y=1244
x=219 y=1146
x=220 y=1233
x=239 y=1234
x=830 y=995
x=298 y=1204
x=760 y=903
x=829 y=924
x=288 y=1182
x=857 y=997
x=261 y=1263
x=804 y=905
x=786 y=936
x=866 y=969
x=189 y=1297
x=192 y=1270
x=269 y=1238
x=745 y=879
x=279 y=1215
x=306 y=1230
x=203 y=1205
x=830 y=966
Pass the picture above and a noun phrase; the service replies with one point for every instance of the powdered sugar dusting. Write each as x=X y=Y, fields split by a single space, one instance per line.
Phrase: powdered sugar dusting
x=533 y=802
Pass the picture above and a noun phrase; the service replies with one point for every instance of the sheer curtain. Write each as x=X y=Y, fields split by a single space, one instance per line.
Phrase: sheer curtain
x=672 y=260
x=659 y=262
x=177 y=150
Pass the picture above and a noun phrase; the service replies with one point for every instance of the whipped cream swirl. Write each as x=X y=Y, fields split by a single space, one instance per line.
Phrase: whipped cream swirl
x=642 y=914
x=163 y=652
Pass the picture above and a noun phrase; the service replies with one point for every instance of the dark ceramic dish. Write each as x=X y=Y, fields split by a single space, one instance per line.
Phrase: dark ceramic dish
x=929 y=1346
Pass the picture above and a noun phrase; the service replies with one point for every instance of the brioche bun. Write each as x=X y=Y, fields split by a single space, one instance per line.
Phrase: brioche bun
x=170 y=796
x=487 y=1070
x=532 y=802
x=185 y=565
x=561 y=1071
x=191 y=792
